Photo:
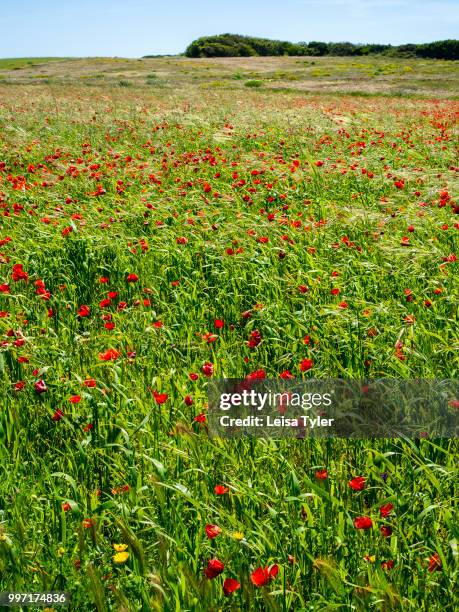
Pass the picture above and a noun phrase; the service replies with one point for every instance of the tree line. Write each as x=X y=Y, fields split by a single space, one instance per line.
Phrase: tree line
x=235 y=45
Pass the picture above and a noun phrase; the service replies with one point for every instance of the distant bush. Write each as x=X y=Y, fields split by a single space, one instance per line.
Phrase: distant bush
x=235 y=45
x=253 y=83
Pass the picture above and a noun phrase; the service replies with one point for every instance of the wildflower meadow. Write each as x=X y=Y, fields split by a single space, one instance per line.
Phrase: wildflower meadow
x=165 y=223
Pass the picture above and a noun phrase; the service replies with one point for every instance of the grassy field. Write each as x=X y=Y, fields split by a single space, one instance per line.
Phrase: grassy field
x=156 y=214
x=357 y=76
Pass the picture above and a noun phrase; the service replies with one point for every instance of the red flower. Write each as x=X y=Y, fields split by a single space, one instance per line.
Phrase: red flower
x=207 y=369
x=321 y=474
x=90 y=382
x=387 y=565
x=75 y=399
x=434 y=563
x=40 y=386
x=363 y=522
x=257 y=375
x=188 y=400
x=193 y=376
x=214 y=568
x=255 y=339
x=18 y=273
x=66 y=506
x=132 y=278
x=306 y=365
x=84 y=311
x=384 y=511
x=358 y=484
x=263 y=575
x=160 y=397
x=386 y=531
x=200 y=418
x=57 y=416
x=109 y=355
x=220 y=489
x=212 y=531
x=230 y=585
x=219 y=323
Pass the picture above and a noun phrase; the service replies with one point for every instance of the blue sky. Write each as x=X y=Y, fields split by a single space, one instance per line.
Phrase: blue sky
x=132 y=28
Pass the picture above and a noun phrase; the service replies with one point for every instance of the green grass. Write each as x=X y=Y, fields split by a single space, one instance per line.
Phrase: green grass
x=316 y=175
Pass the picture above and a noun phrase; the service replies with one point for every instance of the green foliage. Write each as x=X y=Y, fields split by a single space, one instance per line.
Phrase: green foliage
x=235 y=45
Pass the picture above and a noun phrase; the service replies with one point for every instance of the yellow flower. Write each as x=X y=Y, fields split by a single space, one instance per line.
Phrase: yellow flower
x=120 y=547
x=60 y=551
x=120 y=557
x=238 y=535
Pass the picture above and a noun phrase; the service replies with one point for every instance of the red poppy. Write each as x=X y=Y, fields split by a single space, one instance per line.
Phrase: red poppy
x=19 y=274
x=306 y=365
x=255 y=339
x=75 y=399
x=219 y=323
x=321 y=474
x=214 y=568
x=84 y=311
x=434 y=563
x=57 y=416
x=263 y=575
x=40 y=386
x=387 y=565
x=363 y=522
x=386 y=531
x=220 y=489
x=207 y=369
x=230 y=585
x=65 y=506
x=188 y=400
x=212 y=531
x=132 y=278
x=358 y=484
x=160 y=398
x=200 y=418
x=109 y=355
x=384 y=511
x=90 y=382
